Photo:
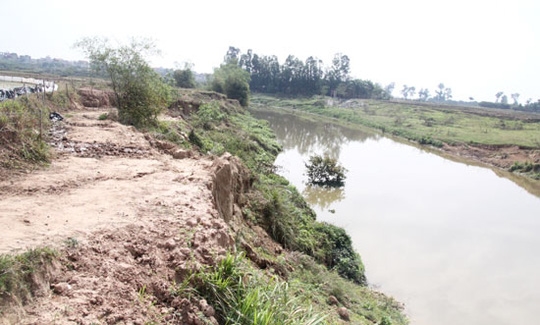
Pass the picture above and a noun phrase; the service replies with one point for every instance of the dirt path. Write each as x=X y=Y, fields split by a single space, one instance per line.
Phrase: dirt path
x=134 y=218
x=106 y=175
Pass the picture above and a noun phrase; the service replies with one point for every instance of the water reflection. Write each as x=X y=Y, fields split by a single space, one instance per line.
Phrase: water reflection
x=323 y=197
x=304 y=136
x=456 y=243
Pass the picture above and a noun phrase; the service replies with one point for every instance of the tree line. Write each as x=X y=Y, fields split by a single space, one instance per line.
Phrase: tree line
x=304 y=77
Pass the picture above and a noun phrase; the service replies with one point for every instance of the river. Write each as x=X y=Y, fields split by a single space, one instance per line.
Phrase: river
x=455 y=242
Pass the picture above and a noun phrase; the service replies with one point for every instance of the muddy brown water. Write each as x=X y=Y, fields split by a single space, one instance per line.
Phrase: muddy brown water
x=456 y=243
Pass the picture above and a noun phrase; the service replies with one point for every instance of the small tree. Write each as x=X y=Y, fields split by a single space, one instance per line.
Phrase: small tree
x=325 y=171
x=184 y=78
x=233 y=81
x=140 y=92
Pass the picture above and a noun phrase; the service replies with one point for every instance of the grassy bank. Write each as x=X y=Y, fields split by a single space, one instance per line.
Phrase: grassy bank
x=325 y=264
x=423 y=123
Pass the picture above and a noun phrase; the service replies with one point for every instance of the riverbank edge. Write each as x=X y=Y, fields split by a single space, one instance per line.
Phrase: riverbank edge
x=497 y=158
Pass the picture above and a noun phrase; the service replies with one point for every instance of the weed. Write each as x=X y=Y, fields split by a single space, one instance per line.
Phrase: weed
x=103 y=117
x=71 y=242
x=243 y=296
x=16 y=271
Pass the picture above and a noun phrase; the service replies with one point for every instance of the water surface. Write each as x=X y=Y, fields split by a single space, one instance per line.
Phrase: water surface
x=456 y=243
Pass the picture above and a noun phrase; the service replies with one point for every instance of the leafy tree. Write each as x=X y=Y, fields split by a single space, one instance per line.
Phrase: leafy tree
x=447 y=93
x=405 y=91
x=325 y=171
x=515 y=97
x=504 y=99
x=233 y=81
x=498 y=96
x=339 y=72
x=408 y=91
x=140 y=92
x=232 y=55
x=423 y=94
x=440 y=93
x=443 y=93
x=184 y=77
x=389 y=89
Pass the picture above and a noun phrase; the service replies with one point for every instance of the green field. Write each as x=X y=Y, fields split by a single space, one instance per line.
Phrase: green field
x=425 y=123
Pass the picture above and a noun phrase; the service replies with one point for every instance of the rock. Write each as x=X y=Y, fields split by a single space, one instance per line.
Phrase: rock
x=181 y=154
x=344 y=314
x=333 y=301
x=207 y=310
x=61 y=288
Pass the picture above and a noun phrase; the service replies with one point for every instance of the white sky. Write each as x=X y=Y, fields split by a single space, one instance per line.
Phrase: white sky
x=477 y=48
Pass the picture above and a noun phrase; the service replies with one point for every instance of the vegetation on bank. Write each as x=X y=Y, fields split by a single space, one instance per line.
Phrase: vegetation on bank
x=425 y=124
x=325 y=265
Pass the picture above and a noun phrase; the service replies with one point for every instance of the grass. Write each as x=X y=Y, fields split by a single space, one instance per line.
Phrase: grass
x=24 y=125
x=242 y=294
x=425 y=124
x=314 y=283
x=17 y=272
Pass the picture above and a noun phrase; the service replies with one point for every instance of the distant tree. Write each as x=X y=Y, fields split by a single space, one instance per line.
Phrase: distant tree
x=388 y=89
x=423 y=94
x=405 y=91
x=338 y=72
x=231 y=80
x=504 y=99
x=412 y=91
x=471 y=99
x=440 y=93
x=141 y=93
x=408 y=91
x=232 y=55
x=515 y=97
x=447 y=93
x=498 y=96
x=184 y=77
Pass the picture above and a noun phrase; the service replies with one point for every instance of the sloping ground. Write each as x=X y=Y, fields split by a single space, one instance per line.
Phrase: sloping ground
x=132 y=218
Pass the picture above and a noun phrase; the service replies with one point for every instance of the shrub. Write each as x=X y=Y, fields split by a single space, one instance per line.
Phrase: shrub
x=325 y=171
x=140 y=92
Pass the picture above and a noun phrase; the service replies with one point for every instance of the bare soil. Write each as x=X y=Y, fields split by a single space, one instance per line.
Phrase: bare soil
x=132 y=219
x=497 y=156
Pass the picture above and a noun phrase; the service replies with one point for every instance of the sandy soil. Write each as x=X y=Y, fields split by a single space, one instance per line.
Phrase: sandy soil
x=132 y=218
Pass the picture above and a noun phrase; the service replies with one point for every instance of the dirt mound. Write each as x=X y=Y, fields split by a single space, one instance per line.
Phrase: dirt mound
x=190 y=101
x=132 y=220
x=90 y=97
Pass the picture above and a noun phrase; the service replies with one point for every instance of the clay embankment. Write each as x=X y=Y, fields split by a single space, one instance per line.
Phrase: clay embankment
x=132 y=217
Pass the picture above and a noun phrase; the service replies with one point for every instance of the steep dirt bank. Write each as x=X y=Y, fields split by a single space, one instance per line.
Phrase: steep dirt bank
x=132 y=218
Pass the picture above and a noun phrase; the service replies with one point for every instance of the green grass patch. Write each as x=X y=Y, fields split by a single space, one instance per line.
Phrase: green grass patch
x=17 y=271
x=242 y=294
x=24 y=125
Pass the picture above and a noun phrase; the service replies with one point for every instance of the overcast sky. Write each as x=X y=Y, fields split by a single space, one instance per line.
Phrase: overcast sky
x=477 y=48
